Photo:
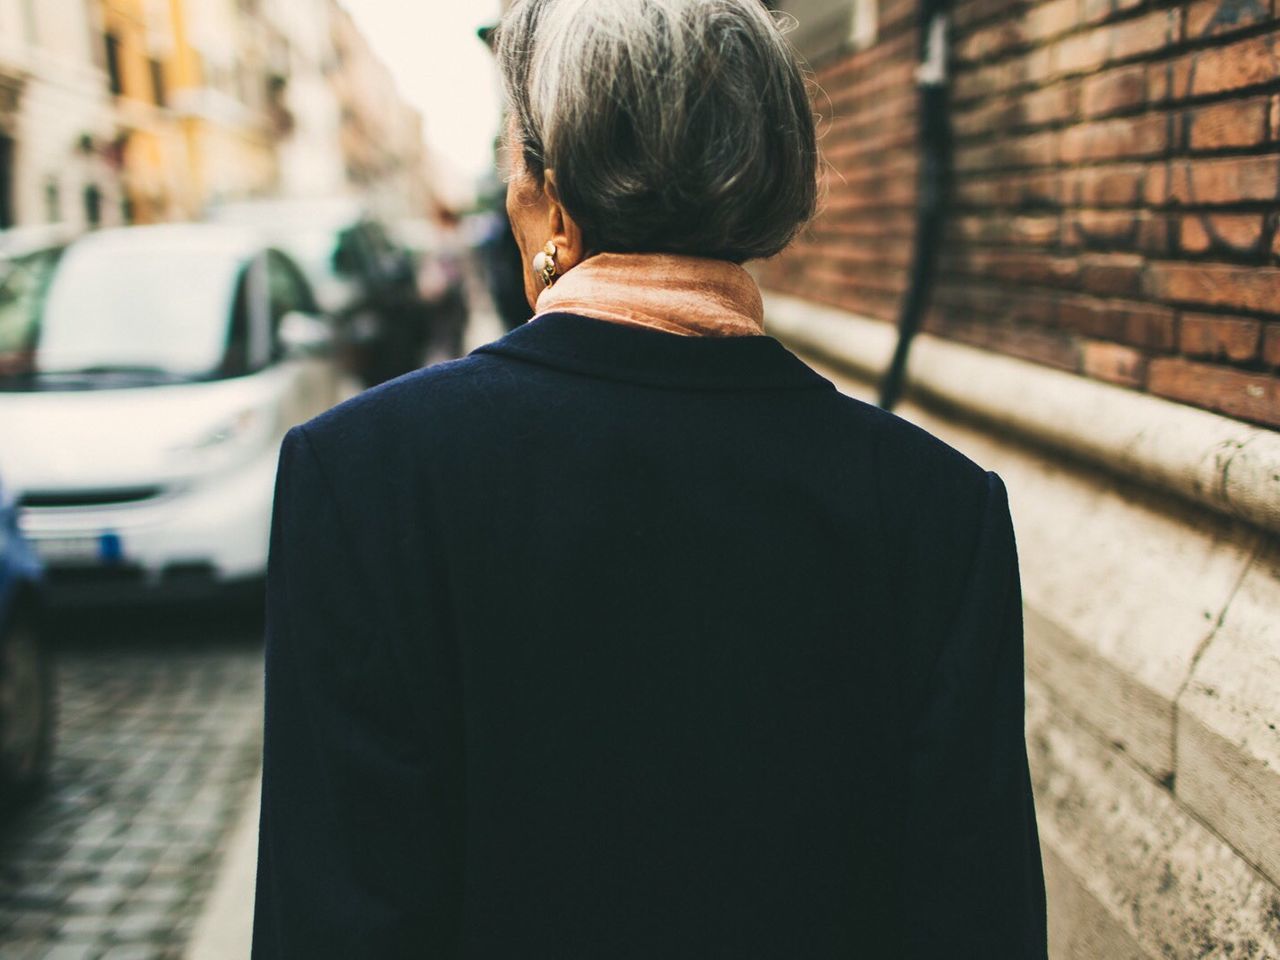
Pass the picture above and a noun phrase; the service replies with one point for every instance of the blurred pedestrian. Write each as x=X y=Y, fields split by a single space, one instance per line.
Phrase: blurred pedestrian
x=628 y=635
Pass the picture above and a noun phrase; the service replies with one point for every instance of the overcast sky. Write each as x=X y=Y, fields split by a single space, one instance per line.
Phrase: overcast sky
x=442 y=68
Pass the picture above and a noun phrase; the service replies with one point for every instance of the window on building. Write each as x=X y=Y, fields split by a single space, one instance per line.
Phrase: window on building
x=158 y=88
x=52 y=201
x=828 y=27
x=6 y=181
x=93 y=205
x=114 y=73
x=30 y=25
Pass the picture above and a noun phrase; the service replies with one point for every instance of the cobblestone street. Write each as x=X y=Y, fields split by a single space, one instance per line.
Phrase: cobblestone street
x=158 y=743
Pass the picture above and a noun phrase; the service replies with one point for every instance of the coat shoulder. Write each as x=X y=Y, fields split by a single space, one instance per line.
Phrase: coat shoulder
x=446 y=396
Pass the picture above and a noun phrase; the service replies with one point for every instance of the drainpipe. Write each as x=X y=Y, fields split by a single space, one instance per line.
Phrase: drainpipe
x=931 y=202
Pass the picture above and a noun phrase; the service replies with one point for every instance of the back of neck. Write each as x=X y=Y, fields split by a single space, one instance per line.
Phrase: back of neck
x=688 y=296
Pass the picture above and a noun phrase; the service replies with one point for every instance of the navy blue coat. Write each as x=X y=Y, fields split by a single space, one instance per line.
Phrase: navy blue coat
x=606 y=643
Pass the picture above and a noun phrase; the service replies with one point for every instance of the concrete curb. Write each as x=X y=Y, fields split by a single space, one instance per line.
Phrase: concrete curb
x=224 y=930
x=1228 y=466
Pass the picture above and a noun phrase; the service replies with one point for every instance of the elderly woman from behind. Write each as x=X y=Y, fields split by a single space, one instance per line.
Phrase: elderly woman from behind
x=628 y=635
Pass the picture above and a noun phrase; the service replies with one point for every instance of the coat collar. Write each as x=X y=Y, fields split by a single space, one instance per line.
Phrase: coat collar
x=611 y=351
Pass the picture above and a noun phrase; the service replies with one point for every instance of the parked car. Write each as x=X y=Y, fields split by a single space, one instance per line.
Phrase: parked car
x=26 y=668
x=362 y=277
x=142 y=445
x=28 y=256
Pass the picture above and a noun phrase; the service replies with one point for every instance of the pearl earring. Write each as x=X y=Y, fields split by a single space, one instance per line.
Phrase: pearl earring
x=544 y=264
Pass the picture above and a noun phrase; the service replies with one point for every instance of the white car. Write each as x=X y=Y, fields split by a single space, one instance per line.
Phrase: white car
x=142 y=447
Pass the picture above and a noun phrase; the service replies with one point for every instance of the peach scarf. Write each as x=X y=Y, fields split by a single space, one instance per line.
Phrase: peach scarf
x=688 y=296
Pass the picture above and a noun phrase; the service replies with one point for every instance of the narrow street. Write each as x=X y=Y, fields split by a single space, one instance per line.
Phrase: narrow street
x=158 y=743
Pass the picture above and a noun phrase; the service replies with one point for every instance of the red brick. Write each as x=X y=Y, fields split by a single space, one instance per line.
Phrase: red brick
x=1114 y=363
x=1271 y=345
x=1141 y=324
x=1145 y=136
x=982 y=82
x=1240 y=123
x=1026 y=343
x=1050 y=104
x=1237 y=233
x=1145 y=34
x=1037 y=231
x=1156 y=234
x=1159 y=81
x=1242 y=288
x=1156 y=185
x=1245 y=63
x=977 y=11
x=977 y=193
x=1033 y=268
x=1248 y=396
x=1136 y=324
x=1029 y=190
x=1205 y=18
x=1039 y=149
x=1117 y=275
x=1049 y=19
x=1231 y=180
x=1096 y=10
x=1039 y=65
x=1081 y=52
x=986 y=115
x=1219 y=338
x=1084 y=315
x=1104 y=229
x=1110 y=186
x=991 y=41
x=1113 y=91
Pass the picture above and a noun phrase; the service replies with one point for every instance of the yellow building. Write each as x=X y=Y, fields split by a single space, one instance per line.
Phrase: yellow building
x=228 y=71
x=137 y=55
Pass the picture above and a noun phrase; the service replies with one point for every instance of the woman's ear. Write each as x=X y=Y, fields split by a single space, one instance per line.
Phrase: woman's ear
x=564 y=230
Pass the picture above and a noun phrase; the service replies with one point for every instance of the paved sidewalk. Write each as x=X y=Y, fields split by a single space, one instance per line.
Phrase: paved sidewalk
x=159 y=739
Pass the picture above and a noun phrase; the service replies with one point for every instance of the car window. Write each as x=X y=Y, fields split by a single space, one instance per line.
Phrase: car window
x=235 y=358
x=289 y=291
x=115 y=304
x=24 y=282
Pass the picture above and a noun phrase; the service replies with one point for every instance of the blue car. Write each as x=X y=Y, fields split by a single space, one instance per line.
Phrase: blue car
x=26 y=670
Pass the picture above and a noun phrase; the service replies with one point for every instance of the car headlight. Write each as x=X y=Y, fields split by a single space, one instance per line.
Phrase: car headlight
x=234 y=429
x=245 y=430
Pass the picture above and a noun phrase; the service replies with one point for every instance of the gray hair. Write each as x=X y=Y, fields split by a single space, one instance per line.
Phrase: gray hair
x=675 y=126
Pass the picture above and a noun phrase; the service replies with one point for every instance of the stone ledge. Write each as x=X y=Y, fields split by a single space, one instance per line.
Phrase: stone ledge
x=1224 y=464
x=1129 y=873
x=1228 y=732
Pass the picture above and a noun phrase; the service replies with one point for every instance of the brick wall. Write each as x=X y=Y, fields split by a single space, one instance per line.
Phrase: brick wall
x=1117 y=170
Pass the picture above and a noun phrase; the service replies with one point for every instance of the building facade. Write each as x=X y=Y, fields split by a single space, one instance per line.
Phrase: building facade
x=310 y=148
x=381 y=136
x=142 y=111
x=59 y=161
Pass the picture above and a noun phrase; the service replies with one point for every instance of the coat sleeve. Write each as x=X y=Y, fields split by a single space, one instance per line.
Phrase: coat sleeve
x=973 y=877
x=359 y=849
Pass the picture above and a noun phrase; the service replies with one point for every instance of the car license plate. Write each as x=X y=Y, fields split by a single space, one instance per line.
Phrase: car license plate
x=58 y=551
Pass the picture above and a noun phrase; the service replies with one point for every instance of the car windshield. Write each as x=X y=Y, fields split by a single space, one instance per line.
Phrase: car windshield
x=23 y=283
x=126 y=308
